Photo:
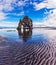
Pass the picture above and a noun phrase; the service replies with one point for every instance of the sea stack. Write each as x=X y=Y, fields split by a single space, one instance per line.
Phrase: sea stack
x=26 y=23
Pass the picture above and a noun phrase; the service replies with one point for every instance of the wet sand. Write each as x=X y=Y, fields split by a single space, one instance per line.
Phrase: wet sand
x=37 y=52
x=42 y=53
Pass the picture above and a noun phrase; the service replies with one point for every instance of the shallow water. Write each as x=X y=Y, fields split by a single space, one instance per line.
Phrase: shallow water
x=35 y=35
x=34 y=47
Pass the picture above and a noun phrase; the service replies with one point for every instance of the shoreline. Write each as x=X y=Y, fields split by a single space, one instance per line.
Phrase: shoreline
x=27 y=28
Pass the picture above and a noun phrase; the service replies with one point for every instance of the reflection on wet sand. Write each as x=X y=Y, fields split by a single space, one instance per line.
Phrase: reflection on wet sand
x=40 y=53
x=25 y=34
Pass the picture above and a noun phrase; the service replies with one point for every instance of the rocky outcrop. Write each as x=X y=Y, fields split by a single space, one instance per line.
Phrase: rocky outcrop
x=25 y=23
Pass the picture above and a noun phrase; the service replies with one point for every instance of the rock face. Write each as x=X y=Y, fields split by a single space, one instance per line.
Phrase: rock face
x=25 y=23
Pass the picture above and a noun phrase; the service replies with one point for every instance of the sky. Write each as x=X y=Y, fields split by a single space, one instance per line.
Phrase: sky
x=42 y=12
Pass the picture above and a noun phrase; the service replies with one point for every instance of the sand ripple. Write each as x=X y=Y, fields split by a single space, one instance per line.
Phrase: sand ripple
x=28 y=54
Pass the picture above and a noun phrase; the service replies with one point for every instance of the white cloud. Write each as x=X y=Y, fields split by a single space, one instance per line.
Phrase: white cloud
x=51 y=4
x=21 y=3
x=1 y=7
x=21 y=13
x=2 y=15
x=8 y=24
x=37 y=24
x=39 y=6
x=45 y=4
x=7 y=5
x=51 y=20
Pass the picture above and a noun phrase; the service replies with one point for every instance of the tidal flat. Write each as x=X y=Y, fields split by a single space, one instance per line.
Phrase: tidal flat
x=34 y=47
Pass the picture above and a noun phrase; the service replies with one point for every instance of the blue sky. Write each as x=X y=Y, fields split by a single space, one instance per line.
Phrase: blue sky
x=38 y=10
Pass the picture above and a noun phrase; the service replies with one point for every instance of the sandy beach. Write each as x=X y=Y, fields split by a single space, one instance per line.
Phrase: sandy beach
x=40 y=51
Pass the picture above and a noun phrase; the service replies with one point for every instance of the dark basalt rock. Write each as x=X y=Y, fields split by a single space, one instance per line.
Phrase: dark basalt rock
x=25 y=22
